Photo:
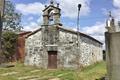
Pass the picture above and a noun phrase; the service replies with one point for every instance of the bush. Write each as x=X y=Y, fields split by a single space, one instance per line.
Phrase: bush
x=9 y=42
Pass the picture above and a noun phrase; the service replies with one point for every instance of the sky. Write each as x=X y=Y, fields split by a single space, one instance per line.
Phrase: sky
x=93 y=14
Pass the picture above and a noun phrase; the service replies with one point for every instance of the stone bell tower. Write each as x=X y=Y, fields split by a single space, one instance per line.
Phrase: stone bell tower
x=51 y=20
x=51 y=14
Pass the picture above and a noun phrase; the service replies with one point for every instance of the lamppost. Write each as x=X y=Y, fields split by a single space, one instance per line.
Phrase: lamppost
x=78 y=38
x=78 y=19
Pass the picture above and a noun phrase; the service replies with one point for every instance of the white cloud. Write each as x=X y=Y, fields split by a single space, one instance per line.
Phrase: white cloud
x=116 y=13
x=116 y=10
x=70 y=7
x=31 y=27
x=30 y=18
x=40 y=20
x=34 y=9
x=96 y=31
x=31 y=8
x=116 y=3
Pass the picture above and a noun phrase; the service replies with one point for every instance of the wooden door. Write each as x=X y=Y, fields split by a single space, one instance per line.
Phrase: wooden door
x=52 y=59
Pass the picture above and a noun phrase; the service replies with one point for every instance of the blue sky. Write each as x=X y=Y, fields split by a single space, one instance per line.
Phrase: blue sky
x=92 y=15
x=96 y=12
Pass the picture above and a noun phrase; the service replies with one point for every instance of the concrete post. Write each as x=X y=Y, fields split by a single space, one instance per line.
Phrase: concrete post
x=113 y=55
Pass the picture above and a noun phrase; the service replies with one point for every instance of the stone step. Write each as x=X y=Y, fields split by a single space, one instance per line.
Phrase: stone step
x=9 y=73
x=40 y=78
x=34 y=71
x=55 y=79
x=43 y=78
x=28 y=77
x=34 y=79
x=60 y=75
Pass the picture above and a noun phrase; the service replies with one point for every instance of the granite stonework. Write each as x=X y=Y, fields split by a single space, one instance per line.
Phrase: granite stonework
x=69 y=55
x=88 y=52
x=72 y=49
x=34 y=50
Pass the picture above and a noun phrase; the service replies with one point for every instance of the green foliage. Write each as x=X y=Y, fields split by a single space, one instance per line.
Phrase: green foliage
x=9 y=44
x=12 y=19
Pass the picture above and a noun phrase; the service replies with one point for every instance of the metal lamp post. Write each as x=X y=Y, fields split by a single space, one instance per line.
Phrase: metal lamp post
x=78 y=18
x=78 y=38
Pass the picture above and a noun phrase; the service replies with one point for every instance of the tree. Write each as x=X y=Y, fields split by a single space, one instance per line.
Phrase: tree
x=12 y=19
x=1 y=25
x=11 y=23
x=9 y=42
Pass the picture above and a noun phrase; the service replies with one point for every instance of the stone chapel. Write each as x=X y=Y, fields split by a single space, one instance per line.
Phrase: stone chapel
x=53 y=46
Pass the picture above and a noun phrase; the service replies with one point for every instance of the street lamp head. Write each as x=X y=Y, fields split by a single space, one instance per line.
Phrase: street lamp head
x=79 y=6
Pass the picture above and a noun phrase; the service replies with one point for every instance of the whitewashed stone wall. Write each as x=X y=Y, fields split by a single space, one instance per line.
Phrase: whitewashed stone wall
x=36 y=55
x=69 y=55
x=89 y=52
x=67 y=49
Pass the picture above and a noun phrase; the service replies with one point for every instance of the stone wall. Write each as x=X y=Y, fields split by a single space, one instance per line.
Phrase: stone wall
x=67 y=49
x=69 y=55
x=36 y=55
x=91 y=51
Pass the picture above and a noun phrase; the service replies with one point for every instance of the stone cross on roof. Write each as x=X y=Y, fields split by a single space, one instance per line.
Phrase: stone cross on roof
x=51 y=1
x=110 y=15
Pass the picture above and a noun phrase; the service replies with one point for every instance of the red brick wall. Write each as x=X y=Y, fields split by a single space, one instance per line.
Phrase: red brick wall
x=20 y=48
x=20 y=53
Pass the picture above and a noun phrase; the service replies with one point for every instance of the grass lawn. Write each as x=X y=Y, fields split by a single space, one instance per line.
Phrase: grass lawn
x=21 y=72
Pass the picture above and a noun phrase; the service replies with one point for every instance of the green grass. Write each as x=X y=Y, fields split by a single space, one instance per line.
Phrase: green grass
x=88 y=73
